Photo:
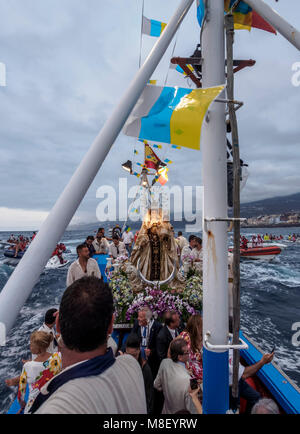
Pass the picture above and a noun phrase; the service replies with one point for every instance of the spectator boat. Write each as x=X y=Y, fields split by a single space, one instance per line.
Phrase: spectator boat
x=263 y=253
x=55 y=263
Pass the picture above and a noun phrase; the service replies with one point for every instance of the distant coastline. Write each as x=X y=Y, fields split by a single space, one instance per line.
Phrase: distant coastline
x=274 y=225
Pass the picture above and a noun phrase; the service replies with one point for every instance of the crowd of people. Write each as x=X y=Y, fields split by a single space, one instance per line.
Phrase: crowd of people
x=259 y=240
x=19 y=243
x=77 y=367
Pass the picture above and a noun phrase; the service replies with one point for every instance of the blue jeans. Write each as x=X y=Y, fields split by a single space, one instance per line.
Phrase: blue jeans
x=247 y=392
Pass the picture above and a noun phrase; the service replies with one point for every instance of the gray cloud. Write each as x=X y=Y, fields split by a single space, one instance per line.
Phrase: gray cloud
x=69 y=62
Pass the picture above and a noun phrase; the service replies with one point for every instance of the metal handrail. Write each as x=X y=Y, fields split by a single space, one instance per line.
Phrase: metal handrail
x=209 y=346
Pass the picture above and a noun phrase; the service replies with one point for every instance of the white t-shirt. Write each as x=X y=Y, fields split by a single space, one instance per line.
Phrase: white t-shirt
x=76 y=272
x=197 y=254
x=119 y=390
x=186 y=251
x=182 y=242
x=241 y=368
x=101 y=247
x=127 y=237
x=116 y=251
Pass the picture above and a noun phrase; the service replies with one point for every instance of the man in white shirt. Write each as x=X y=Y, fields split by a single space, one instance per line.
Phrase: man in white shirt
x=84 y=266
x=127 y=238
x=100 y=244
x=187 y=250
x=173 y=379
x=197 y=254
x=181 y=241
x=117 y=248
x=49 y=327
x=92 y=381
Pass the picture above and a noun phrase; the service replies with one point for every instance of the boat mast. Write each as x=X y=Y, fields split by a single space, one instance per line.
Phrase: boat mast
x=215 y=259
x=27 y=273
x=280 y=24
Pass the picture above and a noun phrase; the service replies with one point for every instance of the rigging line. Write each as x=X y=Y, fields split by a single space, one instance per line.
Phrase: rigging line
x=166 y=79
x=167 y=75
x=204 y=21
x=140 y=60
x=141 y=36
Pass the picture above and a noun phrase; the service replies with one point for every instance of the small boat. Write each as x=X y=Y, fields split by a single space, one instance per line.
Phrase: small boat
x=55 y=263
x=11 y=254
x=263 y=253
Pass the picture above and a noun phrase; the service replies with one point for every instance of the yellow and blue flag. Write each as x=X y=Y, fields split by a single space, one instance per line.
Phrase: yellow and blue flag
x=152 y=27
x=179 y=69
x=244 y=16
x=200 y=11
x=171 y=115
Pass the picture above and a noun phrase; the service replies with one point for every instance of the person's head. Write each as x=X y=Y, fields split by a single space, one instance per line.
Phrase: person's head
x=179 y=351
x=198 y=243
x=194 y=329
x=101 y=230
x=89 y=240
x=144 y=316
x=115 y=239
x=40 y=341
x=265 y=406
x=83 y=251
x=86 y=314
x=172 y=319
x=133 y=346
x=50 y=318
x=99 y=236
x=192 y=239
x=179 y=233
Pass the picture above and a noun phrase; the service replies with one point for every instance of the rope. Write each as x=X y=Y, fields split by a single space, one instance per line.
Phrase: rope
x=141 y=35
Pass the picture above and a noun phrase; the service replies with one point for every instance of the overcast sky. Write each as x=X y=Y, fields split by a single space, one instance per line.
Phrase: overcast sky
x=68 y=63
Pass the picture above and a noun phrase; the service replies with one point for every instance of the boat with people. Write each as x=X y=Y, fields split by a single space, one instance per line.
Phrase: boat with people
x=154 y=275
x=266 y=253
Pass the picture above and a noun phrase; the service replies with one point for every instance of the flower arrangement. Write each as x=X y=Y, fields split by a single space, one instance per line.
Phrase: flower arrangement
x=187 y=258
x=193 y=292
x=159 y=302
x=122 y=258
x=122 y=294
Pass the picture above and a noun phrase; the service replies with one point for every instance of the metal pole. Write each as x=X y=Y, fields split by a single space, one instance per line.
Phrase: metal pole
x=215 y=264
x=19 y=286
x=229 y=25
x=280 y=24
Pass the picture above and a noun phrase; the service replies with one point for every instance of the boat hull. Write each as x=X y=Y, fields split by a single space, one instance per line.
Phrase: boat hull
x=259 y=253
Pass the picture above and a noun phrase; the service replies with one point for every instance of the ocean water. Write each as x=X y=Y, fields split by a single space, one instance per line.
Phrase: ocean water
x=270 y=304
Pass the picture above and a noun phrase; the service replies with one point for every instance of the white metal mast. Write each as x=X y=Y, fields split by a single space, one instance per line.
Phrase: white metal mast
x=215 y=262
